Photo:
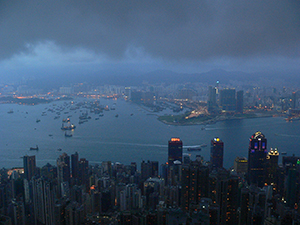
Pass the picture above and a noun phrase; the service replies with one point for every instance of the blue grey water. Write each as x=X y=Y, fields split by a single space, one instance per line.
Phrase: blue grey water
x=127 y=138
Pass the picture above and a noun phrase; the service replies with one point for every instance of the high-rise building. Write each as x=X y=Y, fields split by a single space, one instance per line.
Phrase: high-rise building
x=240 y=101
x=74 y=165
x=63 y=168
x=216 y=153
x=227 y=99
x=174 y=150
x=257 y=154
x=272 y=166
x=212 y=99
x=240 y=165
x=29 y=166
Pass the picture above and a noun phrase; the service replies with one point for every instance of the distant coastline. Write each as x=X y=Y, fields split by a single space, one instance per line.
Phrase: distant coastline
x=180 y=120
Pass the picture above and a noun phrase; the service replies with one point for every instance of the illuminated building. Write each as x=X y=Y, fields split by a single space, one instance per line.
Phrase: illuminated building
x=240 y=165
x=194 y=180
x=29 y=166
x=272 y=164
x=174 y=150
x=216 y=153
x=257 y=155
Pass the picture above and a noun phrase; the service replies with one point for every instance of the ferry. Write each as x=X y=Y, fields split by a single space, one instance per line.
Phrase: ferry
x=34 y=148
x=71 y=127
x=68 y=135
x=193 y=149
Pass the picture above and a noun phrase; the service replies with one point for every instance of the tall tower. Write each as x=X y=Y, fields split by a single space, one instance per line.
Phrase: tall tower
x=174 y=150
x=240 y=101
x=74 y=165
x=63 y=168
x=257 y=156
x=216 y=153
x=29 y=166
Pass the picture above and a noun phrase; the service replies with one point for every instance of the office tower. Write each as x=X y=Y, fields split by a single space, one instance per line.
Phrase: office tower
x=212 y=99
x=74 y=165
x=227 y=99
x=272 y=165
x=29 y=166
x=240 y=165
x=174 y=150
x=257 y=159
x=240 y=101
x=216 y=153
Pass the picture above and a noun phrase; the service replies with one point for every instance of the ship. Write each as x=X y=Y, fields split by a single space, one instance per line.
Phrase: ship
x=193 y=149
x=10 y=111
x=70 y=127
x=34 y=148
x=116 y=115
x=38 y=120
x=68 y=135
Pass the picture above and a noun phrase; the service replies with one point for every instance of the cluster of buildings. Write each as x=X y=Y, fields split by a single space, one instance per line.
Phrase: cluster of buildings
x=256 y=190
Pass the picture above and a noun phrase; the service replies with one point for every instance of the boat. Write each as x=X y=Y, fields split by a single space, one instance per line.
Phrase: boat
x=10 y=111
x=34 y=148
x=38 y=120
x=116 y=115
x=50 y=135
x=131 y=114
x=68 y=135
x=97 y=118
x=70 y=127
x=59 y=149
x=194 y=149
x=283 y=153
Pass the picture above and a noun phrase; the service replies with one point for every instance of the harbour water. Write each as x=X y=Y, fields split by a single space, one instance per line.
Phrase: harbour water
x=131 y=137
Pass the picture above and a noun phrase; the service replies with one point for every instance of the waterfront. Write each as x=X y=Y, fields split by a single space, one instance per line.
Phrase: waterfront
x=127 y=138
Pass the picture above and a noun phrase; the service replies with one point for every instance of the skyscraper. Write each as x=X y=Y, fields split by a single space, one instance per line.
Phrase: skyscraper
x=174 y=150
x=74 y=165
x=227 y=99
x=212 y=99
x=29 y=166
x=257 y=156
x=216 y=153
x=240 y=101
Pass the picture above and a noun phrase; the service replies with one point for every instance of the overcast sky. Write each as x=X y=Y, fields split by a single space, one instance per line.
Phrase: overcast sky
x=183 y=36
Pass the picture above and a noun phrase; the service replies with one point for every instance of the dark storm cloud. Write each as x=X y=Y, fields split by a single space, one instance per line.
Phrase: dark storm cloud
x=172 y=30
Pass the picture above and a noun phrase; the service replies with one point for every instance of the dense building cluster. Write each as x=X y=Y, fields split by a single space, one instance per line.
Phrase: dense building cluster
x=181 y=191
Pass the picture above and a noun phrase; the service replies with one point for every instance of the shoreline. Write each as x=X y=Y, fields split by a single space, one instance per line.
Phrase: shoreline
x=212 y=121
